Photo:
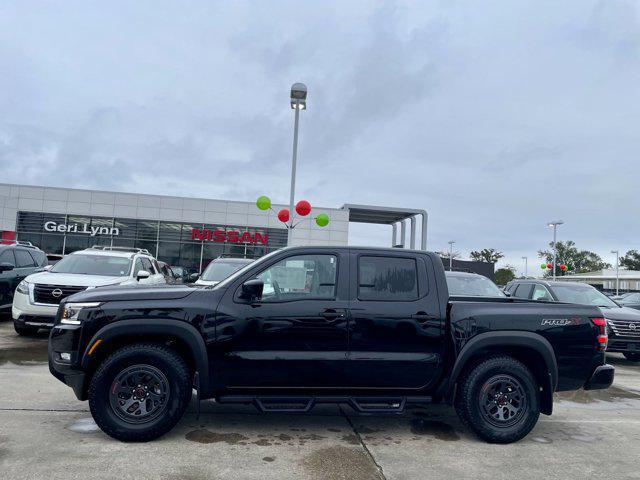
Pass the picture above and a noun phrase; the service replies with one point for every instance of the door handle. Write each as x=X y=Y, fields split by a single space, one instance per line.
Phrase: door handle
x=423 y=317
x=331 y=314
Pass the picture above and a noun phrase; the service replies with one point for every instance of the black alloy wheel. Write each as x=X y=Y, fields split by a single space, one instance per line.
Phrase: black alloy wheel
x=139 y=393
x=502 y=401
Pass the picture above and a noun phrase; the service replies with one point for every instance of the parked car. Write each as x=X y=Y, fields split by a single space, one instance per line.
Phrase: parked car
x=53 y=258
x=463 y=284
x=371 y=327
x=632 y=301
x=183 y=274
x=17 y=261
x=37 y=296
x=623 y=322
x=221 y=268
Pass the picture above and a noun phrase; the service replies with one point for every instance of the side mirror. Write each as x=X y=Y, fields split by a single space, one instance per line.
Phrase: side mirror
x=252 y=289
x=142 y=274
x=193 y=277
x=5 y=267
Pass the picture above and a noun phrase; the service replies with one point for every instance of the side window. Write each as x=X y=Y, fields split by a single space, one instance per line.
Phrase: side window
x=541 y=293
x=7 y=257
x=301 y=277
x=387 y=278
x=38 y=257
x=23 y=259
x=138 y=266
x=146 y=264
x=522 y=290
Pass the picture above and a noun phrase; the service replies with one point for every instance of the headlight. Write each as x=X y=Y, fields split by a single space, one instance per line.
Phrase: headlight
x=23 y=287
x=71 y=311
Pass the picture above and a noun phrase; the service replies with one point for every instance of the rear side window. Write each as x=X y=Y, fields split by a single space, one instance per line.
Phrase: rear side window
x=7 y=257
x=387 y=279
x=38 y=257
x=541 y=293
x=23 y=259
x=522 y=290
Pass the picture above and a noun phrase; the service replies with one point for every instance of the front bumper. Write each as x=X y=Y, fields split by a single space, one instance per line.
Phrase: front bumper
x=65 y=339
x=24 y=311
x=602 y=377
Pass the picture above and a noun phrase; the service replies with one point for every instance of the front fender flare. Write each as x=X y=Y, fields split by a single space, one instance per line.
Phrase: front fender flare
x=148 y=327
x=507 y=338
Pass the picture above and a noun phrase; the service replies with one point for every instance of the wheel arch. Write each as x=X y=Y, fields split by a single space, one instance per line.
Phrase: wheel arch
x=181 y=336
x=532 y=349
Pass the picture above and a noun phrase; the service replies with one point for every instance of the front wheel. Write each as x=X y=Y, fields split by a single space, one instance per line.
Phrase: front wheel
x=634 y=357
x=140 y=392
x=498 y=399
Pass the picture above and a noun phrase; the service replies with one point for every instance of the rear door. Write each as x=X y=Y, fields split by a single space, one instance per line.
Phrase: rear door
x=396 y=332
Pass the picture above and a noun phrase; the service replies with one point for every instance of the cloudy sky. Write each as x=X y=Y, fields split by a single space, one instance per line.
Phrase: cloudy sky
x=496 y=117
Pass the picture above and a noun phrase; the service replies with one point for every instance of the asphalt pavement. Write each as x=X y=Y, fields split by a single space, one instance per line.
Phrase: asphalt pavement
x=45 y=433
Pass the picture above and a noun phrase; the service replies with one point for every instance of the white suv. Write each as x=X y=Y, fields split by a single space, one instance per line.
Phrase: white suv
x=37 y=297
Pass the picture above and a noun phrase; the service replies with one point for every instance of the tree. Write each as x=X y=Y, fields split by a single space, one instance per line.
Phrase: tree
x=490 y=255
x=504 y=275
x=577 y=261
x=631 y=260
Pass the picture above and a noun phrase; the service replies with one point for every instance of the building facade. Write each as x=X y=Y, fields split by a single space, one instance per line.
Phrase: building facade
x=189 y=232
x=627 y=280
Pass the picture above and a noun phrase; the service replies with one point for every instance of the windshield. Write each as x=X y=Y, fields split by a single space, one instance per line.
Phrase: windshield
x=235 y=275
x=219 y=270
x=472 y=286
x=583 y=295
x=631 y=298
x=93 y=265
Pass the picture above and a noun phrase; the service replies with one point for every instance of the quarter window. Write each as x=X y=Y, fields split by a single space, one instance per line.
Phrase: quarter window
x=387 y=278
x=301 y=277
x=541 y=293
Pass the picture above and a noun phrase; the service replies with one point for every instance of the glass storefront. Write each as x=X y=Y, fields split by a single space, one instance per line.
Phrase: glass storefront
x=190 y=245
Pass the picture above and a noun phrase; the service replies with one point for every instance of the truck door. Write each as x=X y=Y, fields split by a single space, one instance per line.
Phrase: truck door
x=396 y=331
x=295 y=336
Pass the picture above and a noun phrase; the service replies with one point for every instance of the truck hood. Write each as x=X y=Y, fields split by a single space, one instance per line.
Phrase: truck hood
x=622 y=313
x=132 y=293
x=75 y=279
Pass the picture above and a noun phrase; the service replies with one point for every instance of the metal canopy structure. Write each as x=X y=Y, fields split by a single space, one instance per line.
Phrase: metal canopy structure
x=394 y=217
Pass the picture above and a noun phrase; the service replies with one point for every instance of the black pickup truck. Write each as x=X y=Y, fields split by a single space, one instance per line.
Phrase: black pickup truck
x=372 y=328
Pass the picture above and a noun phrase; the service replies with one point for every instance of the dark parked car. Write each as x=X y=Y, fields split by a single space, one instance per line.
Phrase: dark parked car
x=170 y=276
x=373 y=328
x=623 y=322
x=17 y=261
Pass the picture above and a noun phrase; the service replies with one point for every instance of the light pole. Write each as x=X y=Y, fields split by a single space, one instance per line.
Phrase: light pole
x=451 y=242
x=298 y=102
x=525 y=266
x=617 y=271
x=555 y=249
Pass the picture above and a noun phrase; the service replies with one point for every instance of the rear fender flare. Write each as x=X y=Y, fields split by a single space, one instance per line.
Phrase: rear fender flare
x=146 y=327
x=508 y=338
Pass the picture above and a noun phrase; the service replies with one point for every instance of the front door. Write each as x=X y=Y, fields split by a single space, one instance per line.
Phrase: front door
x=396 y=332
x=8 y=279
x=295 y=336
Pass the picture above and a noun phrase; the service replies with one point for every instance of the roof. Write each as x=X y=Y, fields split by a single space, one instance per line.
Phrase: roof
x=380 y=215
x=546 y=282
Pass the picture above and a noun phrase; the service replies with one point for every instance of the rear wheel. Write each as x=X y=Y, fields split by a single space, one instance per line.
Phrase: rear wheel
x=634 y=357
x=25 y=331
x=140 y=392
x=499 y=400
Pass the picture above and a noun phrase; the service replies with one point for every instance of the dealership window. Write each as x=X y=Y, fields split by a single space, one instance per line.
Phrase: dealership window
x=387 y=278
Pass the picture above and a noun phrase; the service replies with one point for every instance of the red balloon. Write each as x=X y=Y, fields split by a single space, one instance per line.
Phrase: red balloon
x=563 y=267
x=303 y=208
x=549 y=265
x=283 y=215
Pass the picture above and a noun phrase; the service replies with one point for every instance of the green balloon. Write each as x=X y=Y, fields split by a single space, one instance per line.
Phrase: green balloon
x=263 y=203
x=543 y=266
x=322 y=220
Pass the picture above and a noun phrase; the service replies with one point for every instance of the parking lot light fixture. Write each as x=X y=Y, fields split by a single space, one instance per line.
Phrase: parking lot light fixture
x=451 y=242
x=525 y=266
x=555 y=249
x=617 y=271
x=298 y=102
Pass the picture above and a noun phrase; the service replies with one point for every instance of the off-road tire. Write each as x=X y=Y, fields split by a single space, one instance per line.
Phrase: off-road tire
x=633 y=357
x=25 y=331
x=149 y=355
x=469 y=399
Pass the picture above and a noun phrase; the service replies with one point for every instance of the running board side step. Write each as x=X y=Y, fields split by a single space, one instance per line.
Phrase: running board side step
x=304 y=404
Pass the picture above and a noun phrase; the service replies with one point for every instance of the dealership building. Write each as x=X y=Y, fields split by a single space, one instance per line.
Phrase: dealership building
x=183 y=231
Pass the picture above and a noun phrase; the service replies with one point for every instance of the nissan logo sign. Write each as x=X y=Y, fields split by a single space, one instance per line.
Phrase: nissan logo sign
x=57 y=293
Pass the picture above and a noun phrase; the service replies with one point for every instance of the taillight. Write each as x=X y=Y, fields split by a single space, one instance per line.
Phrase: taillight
x=601 y=339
